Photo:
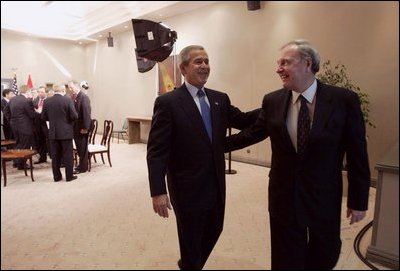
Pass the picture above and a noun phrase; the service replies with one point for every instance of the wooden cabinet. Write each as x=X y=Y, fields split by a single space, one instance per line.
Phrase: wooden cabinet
x=384 y=248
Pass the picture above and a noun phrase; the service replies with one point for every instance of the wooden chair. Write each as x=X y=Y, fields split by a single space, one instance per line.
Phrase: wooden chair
x=104 y=146
x=93 y=131
x=122 y=132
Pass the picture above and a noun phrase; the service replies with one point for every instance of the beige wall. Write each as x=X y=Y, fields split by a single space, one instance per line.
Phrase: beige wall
x=243 y=47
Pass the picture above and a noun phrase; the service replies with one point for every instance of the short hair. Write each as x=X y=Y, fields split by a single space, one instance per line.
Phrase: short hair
x=75 y=83
x=23 y=89
x=184 y=55
x=57 y=88
x=306 y=50
x=6 y=92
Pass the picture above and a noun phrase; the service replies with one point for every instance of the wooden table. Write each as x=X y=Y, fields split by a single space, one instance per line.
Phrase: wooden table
x=134 y=128
x=7 y=142
x=10 y=155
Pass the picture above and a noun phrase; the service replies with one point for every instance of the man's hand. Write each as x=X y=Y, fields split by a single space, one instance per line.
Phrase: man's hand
x=84 y=131
x=161 y=204
x=355 y=216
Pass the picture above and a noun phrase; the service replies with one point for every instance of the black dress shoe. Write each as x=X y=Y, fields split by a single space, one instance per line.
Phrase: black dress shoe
x=40 y=162
x=180 y=264
x=78 y=171
x=58 y=179
x=73 y=178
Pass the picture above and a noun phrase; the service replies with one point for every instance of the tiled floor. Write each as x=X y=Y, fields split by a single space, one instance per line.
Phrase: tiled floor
x=104 y=220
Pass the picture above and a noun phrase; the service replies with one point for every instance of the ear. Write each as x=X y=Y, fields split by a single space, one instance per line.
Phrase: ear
x=182 y=68
x=308 y=63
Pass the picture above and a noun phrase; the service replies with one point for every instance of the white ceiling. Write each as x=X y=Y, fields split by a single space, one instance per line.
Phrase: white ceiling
x=85 y=21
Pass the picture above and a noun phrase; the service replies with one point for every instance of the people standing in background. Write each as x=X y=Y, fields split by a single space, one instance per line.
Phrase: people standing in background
x=81 y=125
x=61 y=114
x=7 y=95
x=311 y=126
x=21 y=114
x=186 y=144
x=41 y=130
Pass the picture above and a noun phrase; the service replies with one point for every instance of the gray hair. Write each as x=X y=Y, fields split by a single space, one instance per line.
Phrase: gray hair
x=74 y=83
x=306 y=50
x=184 y=55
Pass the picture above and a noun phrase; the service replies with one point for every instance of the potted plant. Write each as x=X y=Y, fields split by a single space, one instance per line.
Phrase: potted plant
x=337 y=76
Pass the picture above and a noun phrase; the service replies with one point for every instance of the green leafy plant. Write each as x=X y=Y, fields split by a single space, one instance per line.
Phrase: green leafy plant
x=337 y=76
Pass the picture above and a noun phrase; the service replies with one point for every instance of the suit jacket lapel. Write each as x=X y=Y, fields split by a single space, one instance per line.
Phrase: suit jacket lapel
x=215 y=105
x=287 y=97
x=191 y=110
x=323 y=109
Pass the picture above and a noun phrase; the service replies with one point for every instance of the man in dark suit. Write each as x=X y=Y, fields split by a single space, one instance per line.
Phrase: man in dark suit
x=20 y=112
x=7 y=95
x=40 y=128
x=190 y=151
x=311 y=126
x=60 y=112
x=81 y=125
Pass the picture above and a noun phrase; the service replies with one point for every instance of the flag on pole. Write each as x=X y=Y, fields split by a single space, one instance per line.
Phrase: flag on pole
x=14 y=86
x=29 y=84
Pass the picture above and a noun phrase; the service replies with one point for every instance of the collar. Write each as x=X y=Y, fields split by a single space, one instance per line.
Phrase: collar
x=192 y=89
x=309 y=93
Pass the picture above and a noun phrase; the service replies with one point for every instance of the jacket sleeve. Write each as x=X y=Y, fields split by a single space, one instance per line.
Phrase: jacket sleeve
x=256 y=131
x=86 y=111
x=356 y=156
x=159 y=147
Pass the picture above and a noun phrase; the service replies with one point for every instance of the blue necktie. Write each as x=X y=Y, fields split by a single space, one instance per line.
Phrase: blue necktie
x=303 y=126
x=205 y=112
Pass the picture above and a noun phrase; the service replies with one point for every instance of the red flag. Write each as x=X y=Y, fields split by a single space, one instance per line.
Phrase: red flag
x=29 y=84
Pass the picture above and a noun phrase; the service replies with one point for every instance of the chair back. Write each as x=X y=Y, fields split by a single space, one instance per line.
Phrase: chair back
x=107 y=133
x=92 y=131
x=125 y=125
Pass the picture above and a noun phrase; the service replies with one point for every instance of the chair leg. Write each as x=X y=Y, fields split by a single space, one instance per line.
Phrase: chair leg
x=102 y=158
x=109 y=158
x=118 y=138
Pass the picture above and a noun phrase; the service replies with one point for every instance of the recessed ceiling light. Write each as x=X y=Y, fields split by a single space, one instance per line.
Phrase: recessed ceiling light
x=125 y=26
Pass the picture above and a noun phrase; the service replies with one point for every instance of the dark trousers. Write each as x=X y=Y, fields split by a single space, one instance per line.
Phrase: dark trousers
x=198 y=233
x=8 y=134
x=41 y=140
x=23 y=141
x=81 y=143
x=62 y=150
x=299 y=247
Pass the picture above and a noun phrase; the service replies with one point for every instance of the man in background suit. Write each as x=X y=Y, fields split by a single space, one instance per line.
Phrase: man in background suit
x=81 y=125
x=192 y=157
x=40 y=127
x=60 y=112
x=20 y=112
x=7 y=95
x=305 y=185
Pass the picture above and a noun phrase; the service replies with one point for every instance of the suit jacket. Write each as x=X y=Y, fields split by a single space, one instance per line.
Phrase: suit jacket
x=179 y=146
x=60 y=112
x=82 y=107
x=5 y=121
x=308 y=187
x=21 y=114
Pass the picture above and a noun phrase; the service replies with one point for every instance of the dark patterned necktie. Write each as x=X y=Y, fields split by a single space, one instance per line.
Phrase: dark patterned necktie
x=303 y=126
x=205 y=112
